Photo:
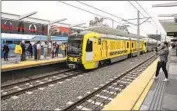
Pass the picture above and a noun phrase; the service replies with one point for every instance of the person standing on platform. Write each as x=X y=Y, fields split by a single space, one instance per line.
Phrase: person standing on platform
x=6 y=51
x=35 y=51
x=30 y=49
x=18 y=52
x=53 y=50
x=23 y=56
x=63 y=49
x=45 y=49
x=176 y=49
x=38 y=50
x=49 y=47
x=163 y=59
x=57 y=49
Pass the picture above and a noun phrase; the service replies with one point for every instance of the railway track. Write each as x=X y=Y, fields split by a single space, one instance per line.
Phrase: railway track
x=32 y=83
x=106 y=92
x=17 y=88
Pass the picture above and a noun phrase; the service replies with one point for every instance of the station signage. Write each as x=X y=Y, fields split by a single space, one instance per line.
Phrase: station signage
x=22 y=27
x=174 y=34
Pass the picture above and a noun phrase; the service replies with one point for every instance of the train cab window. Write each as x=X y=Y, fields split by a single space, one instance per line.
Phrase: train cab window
x=132 y=45
x=145 y=44
x=127 y=45
x=89 y=47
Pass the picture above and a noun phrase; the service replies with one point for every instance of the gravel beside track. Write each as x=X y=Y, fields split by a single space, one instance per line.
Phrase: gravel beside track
x=64 y=93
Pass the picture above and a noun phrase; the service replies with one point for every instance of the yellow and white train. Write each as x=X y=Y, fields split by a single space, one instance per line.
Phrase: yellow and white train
x=90 y=49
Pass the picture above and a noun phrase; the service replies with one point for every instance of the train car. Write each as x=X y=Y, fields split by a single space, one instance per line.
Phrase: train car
x=90 y=49
x=151 y=44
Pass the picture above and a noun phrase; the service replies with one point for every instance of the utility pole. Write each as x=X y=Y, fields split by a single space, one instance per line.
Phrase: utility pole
x=138 y=31
x=49 y=32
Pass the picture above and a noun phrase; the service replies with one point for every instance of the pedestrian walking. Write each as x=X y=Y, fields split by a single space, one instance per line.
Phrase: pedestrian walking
x=38 y=50
x=6 y=51
x=45 y=49
x=23 y=55
x=30 y=49
x=35 y=51
x=163 y=59
x=18 y=52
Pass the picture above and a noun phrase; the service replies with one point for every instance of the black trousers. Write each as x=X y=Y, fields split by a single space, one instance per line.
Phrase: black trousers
x=23 y=56
x=163 y=66
x=35 y=55
x=5 y=56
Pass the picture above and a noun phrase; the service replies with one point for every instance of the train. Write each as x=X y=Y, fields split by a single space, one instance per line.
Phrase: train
x=12 y=39
x=99 y=45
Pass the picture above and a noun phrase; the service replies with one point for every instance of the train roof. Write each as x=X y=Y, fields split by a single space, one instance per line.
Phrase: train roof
x=112 y=31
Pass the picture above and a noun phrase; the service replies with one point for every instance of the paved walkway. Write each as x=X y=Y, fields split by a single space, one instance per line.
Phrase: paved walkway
x=163 y=95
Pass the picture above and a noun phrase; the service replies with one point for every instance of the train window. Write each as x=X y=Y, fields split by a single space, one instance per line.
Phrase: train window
x=127 y=45
x=132 y=44
x=99 y=41
x=89 y=47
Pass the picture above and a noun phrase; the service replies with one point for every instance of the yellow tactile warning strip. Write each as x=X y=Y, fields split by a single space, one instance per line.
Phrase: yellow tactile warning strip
x=28 y=64
x=132 y=96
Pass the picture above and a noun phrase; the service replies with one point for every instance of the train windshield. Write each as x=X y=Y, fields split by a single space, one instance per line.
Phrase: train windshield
x=75 y=45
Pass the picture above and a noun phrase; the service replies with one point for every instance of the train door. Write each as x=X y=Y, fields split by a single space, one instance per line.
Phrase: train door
x=128 y=46
x=89 y=49
x=96 y=49
x=104 y=49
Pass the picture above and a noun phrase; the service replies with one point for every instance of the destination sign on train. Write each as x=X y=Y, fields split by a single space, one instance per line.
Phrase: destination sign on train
x=22 y=27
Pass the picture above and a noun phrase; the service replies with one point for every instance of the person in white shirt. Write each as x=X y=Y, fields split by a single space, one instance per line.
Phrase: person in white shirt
x=38 y=50
x=45 y=49
x=49 y=47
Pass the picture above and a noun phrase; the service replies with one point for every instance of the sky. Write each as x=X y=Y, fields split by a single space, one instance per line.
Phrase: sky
x=53 y=10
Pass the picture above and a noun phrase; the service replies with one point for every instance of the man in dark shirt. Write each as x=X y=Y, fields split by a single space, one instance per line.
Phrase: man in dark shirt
x=30 y=49
x=6 y=51
x=35 y=51
x=23 y=56
x=163 y=59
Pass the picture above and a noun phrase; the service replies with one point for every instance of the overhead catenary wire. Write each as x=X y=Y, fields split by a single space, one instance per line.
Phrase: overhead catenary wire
x=104 y=11
x=137 y=9
x=147 y=13
x=156 y=26
x=89 y=11
x=92 y=13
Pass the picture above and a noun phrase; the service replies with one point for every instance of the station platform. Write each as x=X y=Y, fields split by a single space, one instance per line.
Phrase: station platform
x=145 y=93
x=30 y=63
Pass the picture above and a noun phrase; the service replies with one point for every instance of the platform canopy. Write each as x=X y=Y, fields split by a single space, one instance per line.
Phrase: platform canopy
x=169 y=26
x=7 y=36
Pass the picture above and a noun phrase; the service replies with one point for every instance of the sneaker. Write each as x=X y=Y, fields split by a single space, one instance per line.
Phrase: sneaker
x=165 y=80
x=155 y=77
